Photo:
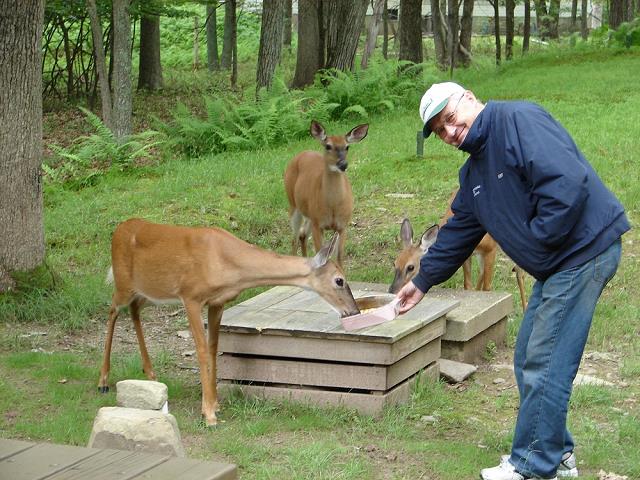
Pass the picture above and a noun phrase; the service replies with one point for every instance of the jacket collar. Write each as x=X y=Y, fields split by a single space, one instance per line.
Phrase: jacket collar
x=477 y=136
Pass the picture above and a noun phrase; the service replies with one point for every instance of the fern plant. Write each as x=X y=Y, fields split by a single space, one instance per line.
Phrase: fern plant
x=91 y=156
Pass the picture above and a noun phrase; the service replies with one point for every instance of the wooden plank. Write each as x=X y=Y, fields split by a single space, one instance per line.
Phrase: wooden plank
x=107 y=464
x=188 y=469
x=10 y=447
x=364 y=403
x=42 y=461
x=413 y=363
x=339 y=350
x=323 y=374
x=305 y=314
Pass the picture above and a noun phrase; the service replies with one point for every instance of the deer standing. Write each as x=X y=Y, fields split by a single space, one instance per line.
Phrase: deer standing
x=318 y=190
x=200 y=267
x=407 y=263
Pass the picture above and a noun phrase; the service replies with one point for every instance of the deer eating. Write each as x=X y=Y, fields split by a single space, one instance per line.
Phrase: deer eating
x=205 y=267
x=407 y=263
x=318 y=190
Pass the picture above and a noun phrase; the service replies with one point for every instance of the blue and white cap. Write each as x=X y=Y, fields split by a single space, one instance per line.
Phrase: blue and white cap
x=434 y=100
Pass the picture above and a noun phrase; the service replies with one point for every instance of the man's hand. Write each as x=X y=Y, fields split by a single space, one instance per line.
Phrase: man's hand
x=409 y=297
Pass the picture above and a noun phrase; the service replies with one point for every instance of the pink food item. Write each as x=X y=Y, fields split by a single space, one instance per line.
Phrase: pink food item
x=374 y=316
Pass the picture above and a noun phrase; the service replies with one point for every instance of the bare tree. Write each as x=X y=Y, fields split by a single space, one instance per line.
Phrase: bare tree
x=101 y=63
x=466 y=30
x=411 y=30
x=584 y=31
x=509 y=29
x=213 y=59
x=22 y=244
x=288 y=15
x=308 y=60
x=150 y=67
x=121 y=61
x=343 y=32
x=439 y=34
x=496 y=24
x=385 y=31
x=372 y=32
x=228 y=38
x=526 y=33
x=270 y=42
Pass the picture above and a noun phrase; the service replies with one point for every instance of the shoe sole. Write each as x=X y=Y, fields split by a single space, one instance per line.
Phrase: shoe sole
x=571 y=473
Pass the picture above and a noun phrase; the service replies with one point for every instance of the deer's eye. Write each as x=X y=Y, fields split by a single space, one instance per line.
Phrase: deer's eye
x=347 y=147
x=340 y=282
x=411 y=268
x=327 y=147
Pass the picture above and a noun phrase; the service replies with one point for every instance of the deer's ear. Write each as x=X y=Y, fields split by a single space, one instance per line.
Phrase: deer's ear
x=357 y=133
x=317 y=131
x=429 y=237
x=326 y=252
x=406 y=233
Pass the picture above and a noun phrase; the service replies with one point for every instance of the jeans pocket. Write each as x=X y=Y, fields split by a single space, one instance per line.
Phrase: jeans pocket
x=606 y=264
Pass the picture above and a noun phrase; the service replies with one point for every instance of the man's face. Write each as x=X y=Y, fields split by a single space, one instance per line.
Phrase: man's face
x=453 y=122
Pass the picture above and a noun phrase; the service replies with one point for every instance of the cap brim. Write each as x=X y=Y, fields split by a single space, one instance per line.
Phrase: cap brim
x=426 y=130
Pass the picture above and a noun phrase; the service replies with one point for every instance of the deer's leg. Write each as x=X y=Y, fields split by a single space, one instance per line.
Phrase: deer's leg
x=488 y=264
x=520 y=280
x=214 y=315
x=197 y=331
x=466 y=271
x=341 y=243
x=316 y=233
x=295 y=219
x=103 y=383
x=135 y=308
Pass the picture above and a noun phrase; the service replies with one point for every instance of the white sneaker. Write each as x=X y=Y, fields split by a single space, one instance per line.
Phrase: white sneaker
x=504 y=471
x=567 y=467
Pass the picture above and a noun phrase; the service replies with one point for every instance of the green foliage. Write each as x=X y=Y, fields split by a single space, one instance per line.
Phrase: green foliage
x=627 y=34
x=379 y=88
x=91 y=156
x=281 y=115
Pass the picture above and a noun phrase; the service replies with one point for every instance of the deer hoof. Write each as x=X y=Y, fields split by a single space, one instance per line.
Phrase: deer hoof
x=104 y=389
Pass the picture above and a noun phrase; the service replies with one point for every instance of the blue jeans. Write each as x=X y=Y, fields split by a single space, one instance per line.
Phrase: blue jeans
x=548 y=350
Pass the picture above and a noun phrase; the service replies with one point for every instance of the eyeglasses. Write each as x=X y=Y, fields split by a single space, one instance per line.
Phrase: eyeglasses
x=450 y=119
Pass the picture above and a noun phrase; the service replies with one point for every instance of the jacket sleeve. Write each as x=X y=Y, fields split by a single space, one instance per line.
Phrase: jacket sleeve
x=455 y=243
x=556 y=174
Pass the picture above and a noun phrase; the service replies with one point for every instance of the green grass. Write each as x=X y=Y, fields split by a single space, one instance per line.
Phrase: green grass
x=591 y=92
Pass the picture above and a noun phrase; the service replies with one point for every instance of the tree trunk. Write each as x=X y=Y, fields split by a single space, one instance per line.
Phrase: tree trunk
x=213 y=60
x=150 y=68
x=101 y=64
x=452 y=37
x=466 y=27
x=574 y=15
x=122 y=97
x=509 y=29
x=584 y=29
x=270 y=42
x=526 y=34
x=288 y=15
x=439 y=34
x=385 y=31
x=372 y=33
x=347 y=24
x=616 y=13
x=22 y=244
x=234 y=45
x=496 y=23
x=411 y=30
x=308 y=55
x=228 y=35
x=554 y=14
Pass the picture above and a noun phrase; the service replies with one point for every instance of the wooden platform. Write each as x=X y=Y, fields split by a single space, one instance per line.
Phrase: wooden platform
x=289 y=343
x=21 y=460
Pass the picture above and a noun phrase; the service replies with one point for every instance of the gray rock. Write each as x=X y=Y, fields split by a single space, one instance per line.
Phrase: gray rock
x=146 y=431
x=143 y=394
x=455 y=372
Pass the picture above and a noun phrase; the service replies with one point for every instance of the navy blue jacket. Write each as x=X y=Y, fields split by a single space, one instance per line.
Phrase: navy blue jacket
x=527 y=184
